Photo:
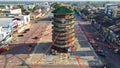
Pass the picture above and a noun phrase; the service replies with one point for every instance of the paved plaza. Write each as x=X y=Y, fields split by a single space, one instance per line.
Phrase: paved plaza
x=84 y=51
x=18 y=56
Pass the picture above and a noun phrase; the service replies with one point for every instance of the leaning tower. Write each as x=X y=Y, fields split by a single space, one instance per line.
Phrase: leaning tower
x=63 y=23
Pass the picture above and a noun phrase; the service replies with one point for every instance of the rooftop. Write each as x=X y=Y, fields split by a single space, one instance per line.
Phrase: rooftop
x=5 y=21
x=14 y=8
x=62 y=10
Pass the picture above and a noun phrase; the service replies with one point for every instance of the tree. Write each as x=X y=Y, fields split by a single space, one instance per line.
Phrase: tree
x=96 y=5
x=87 y=6
x=56 y=5
x=8 y=6
x=30 y=9
x=35 y=7
x=21 y=6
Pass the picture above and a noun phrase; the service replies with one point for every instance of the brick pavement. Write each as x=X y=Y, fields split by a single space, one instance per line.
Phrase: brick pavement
x=86 y=54
x=18 y=54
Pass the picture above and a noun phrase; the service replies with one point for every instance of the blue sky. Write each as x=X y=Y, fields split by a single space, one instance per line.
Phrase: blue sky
x=59 y=0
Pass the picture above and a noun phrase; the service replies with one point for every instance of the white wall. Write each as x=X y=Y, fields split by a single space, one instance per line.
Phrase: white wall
x=20 y=23
x=24 y=18
x=27 y=19
x=0 y=29
x=16 y=11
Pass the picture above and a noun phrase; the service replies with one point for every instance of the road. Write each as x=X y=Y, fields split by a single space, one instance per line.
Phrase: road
x=111 y=58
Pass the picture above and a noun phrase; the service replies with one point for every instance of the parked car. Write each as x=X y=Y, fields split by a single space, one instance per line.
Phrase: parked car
x=84 y=14
x=98 y=49
x=116 y=51
x=114 y=34
x=104 y=27
x=109 y=27
x=4 y=48
x=99 y=18
x=36 y=21
x=102 y=54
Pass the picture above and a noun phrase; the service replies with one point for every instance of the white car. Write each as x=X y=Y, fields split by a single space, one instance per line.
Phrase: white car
x=116 y=51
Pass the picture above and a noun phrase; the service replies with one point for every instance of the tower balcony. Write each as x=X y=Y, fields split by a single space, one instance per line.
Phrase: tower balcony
x=67 y=22
x=65 y=40
x=65 y=37
x=64 y=45
x=63 y=34
x=62 y=29
x=67 y=26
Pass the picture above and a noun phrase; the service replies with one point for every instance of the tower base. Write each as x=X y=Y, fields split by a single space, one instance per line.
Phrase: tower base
x=66 y=49
x=60 y=50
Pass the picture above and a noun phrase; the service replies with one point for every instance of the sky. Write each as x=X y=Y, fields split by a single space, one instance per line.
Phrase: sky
x=59 y=0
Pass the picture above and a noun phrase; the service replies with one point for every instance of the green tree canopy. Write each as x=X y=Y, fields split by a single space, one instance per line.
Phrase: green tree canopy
x=30 y=9
x=35 y=7
x=21 y=6
x=56 y=5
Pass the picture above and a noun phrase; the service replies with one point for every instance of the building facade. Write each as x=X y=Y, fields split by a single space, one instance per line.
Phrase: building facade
x=10 y=12
x=24 y=20
x=112 y=10
x=5 y=29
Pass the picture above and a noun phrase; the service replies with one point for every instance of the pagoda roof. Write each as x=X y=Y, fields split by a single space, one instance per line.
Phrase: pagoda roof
x=62 y=10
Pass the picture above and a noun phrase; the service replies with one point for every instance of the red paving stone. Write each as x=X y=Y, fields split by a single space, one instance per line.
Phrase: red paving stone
x=20 y=52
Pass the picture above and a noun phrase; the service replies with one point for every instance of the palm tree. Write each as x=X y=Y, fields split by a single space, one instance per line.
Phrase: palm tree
x=35 y=8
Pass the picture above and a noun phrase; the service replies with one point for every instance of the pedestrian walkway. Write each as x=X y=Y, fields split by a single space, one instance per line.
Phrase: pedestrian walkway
x=84 y=51
x=19 y=49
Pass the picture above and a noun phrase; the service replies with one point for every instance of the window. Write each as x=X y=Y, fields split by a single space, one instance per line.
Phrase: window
x=27 y=19
x=7 y=12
